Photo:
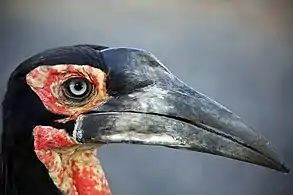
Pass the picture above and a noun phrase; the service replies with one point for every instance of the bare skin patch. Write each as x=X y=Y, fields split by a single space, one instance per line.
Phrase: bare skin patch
x=88 y=176
x=73 y=167
x=47 y=81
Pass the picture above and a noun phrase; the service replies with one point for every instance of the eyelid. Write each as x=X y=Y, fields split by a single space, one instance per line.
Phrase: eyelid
x=71 y=97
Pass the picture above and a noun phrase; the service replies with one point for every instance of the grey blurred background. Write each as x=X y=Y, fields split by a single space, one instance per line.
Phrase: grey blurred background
x=237 y=52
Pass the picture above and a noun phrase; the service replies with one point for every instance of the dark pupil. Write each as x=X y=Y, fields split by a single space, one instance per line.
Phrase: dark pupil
x=78 y=85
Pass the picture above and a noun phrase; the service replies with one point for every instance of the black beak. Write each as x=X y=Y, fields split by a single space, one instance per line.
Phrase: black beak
x=154 y=107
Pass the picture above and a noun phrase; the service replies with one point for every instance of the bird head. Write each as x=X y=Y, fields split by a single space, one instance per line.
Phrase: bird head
x=62 y=104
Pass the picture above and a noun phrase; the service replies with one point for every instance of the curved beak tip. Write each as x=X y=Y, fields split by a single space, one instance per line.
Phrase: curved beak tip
x=169 y=113
x=285 y=169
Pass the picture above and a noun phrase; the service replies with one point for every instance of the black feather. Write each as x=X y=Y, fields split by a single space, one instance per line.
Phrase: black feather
x=21 y=173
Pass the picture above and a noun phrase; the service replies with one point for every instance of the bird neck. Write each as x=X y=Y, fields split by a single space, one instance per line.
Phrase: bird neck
x=80 y=173
x=75 y=170
x=73 y=167
x=34 y=169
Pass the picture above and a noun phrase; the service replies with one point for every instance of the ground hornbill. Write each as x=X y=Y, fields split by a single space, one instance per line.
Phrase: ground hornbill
x=62 y=104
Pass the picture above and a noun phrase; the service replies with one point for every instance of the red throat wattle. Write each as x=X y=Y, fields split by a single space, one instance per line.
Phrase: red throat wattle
x=74 y=168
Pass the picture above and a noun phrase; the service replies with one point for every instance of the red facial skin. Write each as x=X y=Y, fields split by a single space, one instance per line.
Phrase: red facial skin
x=46 y=82
x=73 y=167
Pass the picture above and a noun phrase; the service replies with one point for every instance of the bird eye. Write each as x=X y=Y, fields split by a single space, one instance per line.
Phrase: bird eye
x=77 y=88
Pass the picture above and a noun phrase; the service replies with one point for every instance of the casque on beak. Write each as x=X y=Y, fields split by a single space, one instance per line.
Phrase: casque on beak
x=156 y=108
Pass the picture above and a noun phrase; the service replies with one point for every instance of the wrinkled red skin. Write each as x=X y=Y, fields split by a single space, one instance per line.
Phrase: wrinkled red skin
x=46 y=82
x=73 y=167
x=87 y=178
x=47 y=137
x=74 y=170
